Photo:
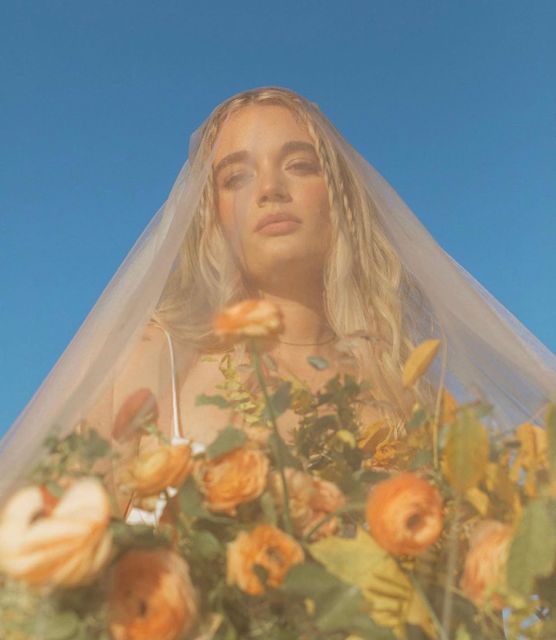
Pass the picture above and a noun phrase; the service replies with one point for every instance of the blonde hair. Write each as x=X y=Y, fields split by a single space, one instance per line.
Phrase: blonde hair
x=364 y=280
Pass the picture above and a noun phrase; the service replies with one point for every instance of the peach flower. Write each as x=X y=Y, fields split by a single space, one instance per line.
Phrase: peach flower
x=310 y=499
x=404 y=514
x=151 y=596
x=485 y=563
x=65 y=542
x=254 y=318
x=266 y=546
x=153 y=471
x=232 y=478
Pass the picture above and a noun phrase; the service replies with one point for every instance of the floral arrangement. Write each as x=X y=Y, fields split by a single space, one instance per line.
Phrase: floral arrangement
x=349 y=533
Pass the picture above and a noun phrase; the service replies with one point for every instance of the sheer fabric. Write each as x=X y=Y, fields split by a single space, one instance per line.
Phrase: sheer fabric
x=490 y=354
x=274 y=204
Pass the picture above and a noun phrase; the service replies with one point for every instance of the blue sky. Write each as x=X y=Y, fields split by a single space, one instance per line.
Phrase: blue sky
x=453 y=102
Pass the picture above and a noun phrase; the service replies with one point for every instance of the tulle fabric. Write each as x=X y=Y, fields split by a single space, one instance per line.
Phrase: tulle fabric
x=489 y=354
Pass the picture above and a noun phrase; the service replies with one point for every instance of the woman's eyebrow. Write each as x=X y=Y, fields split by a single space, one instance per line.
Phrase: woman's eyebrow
x=242 y=156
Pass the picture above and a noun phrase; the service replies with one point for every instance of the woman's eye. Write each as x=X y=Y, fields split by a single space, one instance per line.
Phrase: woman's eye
x=304 y=166
x=236 y=180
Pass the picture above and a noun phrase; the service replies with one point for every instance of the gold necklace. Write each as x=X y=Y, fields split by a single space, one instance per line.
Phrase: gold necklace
x=307 y=344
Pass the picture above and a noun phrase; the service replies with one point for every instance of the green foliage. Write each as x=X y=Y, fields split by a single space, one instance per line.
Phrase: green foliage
x=466 y=451
x=227 y=440
x=218 y=401
x=72 y=455
x=533 y=549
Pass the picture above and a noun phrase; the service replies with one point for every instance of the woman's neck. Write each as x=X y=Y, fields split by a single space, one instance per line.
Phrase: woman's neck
x=304 y=318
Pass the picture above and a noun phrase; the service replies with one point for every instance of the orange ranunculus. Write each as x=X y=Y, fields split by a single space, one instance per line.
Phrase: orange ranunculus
x=255 y=318
x=232 y=478
x=151 y=596
x=310 y=499
x=267 y=547
x=155 y=470
x=485 y=563
x=138 y=410
x=64 y=542
x=404 y=514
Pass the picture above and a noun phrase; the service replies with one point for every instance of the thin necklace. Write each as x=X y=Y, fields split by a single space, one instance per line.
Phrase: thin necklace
x=307 y=344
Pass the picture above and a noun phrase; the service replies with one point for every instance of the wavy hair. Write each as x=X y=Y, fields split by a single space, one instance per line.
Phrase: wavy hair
x=365 y=283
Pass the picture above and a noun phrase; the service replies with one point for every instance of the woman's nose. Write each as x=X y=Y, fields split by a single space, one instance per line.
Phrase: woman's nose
x=272 y=188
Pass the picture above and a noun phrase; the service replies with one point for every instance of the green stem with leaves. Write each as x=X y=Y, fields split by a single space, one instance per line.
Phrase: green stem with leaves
x=279 y=441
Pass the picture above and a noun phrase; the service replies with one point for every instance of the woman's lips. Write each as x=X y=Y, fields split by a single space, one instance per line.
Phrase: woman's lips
x=276 y=224
x=279 y=228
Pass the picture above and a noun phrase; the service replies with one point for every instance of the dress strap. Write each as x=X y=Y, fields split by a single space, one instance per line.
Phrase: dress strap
x=176 y=428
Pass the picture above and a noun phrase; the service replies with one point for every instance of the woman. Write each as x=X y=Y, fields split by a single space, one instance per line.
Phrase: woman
x=273 y=203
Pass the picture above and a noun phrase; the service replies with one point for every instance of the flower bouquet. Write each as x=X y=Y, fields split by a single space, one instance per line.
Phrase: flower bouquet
x=351 y=532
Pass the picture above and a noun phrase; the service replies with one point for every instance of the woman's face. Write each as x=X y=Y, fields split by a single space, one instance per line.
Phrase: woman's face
x=271 y=197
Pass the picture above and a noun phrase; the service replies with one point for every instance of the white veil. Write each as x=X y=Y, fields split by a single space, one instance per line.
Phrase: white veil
x=490 y=354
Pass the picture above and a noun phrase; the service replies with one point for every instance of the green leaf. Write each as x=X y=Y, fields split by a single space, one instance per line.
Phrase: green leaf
x=318 y=363
x=204 y=399
x=343 y=610
x=228 y=439
x=309 y=580
x=190 y=500
x=63 y=626
x=338 y=606
x=280 y=401
x=466 y=451
x=191 y=504
x=533 y=548
x=360 y=561
x=551 y=432
x=268 y=508
x=206 y=545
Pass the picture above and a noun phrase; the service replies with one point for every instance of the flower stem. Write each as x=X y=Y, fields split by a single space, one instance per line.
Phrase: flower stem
x=279 y=441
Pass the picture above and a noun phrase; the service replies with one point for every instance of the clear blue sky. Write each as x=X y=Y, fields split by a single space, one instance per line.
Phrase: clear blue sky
x=453 y=102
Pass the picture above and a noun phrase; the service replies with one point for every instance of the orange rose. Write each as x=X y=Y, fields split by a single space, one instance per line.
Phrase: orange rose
x=232 y=478
x=256 y=318
x=153 y=471
x=310 y=499
x=404 y=514
x=267 y=547
x=138 y=410
x=485 y=563
x=65 y=542
x=151 y=596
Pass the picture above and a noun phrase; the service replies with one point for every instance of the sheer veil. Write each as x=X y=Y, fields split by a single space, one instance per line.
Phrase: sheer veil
x=488 y=353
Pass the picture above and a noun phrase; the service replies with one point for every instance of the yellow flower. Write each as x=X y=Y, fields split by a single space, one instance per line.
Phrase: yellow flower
x=155 y=470
x=389 y=454
x=449 y=407
x=310 y=499
x=265 y=546
x=485 y=563
x=65 y=542
x=151 y=596
x=232 y=478
x=254 y=318
x=404 y=514
x=419 y=361
x=372 y=435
